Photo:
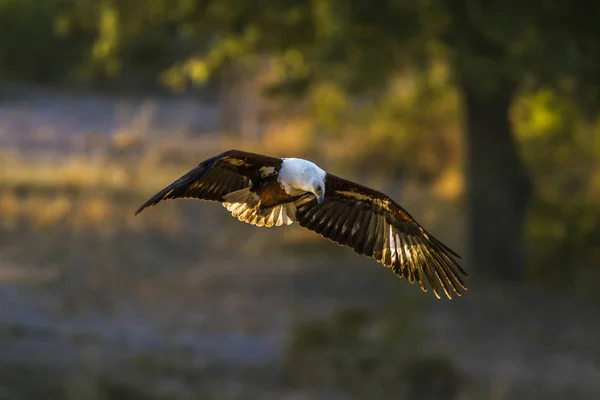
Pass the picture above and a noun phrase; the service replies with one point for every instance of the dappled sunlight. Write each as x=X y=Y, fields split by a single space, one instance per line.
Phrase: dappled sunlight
x=450 y=185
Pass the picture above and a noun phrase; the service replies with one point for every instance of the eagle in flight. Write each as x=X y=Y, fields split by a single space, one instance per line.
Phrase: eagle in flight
x=270 y=191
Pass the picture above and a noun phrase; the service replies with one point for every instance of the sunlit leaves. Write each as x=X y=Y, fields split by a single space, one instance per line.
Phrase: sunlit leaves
x=106 y=47
x=562 y=151
x=198 y=69
x=538 y=114
x=295 y=63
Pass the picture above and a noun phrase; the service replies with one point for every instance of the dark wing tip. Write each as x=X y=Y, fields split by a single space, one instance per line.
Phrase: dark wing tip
x=152 y=201
x=157 y=198
x=139 y=210
x=428 y=261
x=202 y=182
x=174 y=190
x=448 y=272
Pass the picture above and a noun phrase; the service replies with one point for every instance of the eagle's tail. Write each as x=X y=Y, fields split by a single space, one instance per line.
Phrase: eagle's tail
x=244 y=205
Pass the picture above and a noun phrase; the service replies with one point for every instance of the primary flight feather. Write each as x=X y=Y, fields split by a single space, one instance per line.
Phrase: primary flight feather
x=269 y=191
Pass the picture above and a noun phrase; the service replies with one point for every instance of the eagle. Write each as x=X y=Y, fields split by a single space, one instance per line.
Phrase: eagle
x=270 y=191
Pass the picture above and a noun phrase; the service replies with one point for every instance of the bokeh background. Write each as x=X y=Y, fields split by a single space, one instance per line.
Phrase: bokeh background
x=479 y=117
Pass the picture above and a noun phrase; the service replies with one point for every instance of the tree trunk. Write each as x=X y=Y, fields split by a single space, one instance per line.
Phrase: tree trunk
x=498 y=186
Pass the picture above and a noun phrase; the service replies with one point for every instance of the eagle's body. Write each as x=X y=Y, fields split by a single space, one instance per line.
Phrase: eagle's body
x=271 y=199
x=269 y=191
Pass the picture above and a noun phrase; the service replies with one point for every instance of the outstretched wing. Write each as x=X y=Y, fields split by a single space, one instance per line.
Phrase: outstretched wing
x=216 y=177
x=372 y=224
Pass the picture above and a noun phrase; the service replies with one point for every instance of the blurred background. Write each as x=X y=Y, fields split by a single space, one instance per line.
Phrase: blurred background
x=480 y=118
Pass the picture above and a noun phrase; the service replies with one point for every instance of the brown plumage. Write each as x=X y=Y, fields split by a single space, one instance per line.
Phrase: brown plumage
x=269 y=191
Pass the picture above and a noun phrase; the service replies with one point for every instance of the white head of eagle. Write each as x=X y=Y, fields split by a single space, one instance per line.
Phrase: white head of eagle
x=271 y=191
x=298 y=176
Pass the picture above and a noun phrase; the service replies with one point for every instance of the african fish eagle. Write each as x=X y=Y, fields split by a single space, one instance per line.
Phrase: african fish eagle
x=269 y=191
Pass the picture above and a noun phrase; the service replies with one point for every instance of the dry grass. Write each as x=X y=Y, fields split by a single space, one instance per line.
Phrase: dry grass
x=99 y=187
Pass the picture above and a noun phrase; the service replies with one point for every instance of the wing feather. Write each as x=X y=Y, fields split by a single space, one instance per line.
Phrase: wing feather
x=372 y=224
x=369 y=241
x=345 y=224
x=360 y=228
x=379 y=238
x=215 y=177
x=440 y=274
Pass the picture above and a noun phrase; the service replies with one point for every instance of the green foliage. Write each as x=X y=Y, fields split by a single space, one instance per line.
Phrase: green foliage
x=561 y=150
x=508 y=43
x=106 y=47
x=354 y=45
x=415 y=115
x=34 y=41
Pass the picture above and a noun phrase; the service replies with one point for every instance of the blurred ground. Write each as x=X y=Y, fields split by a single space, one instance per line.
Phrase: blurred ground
x=28 y=114
x=184 y=302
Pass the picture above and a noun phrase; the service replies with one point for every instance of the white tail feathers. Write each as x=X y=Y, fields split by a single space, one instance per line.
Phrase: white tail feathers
x=243 y=205
x=275 y=216
x=242 y=196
